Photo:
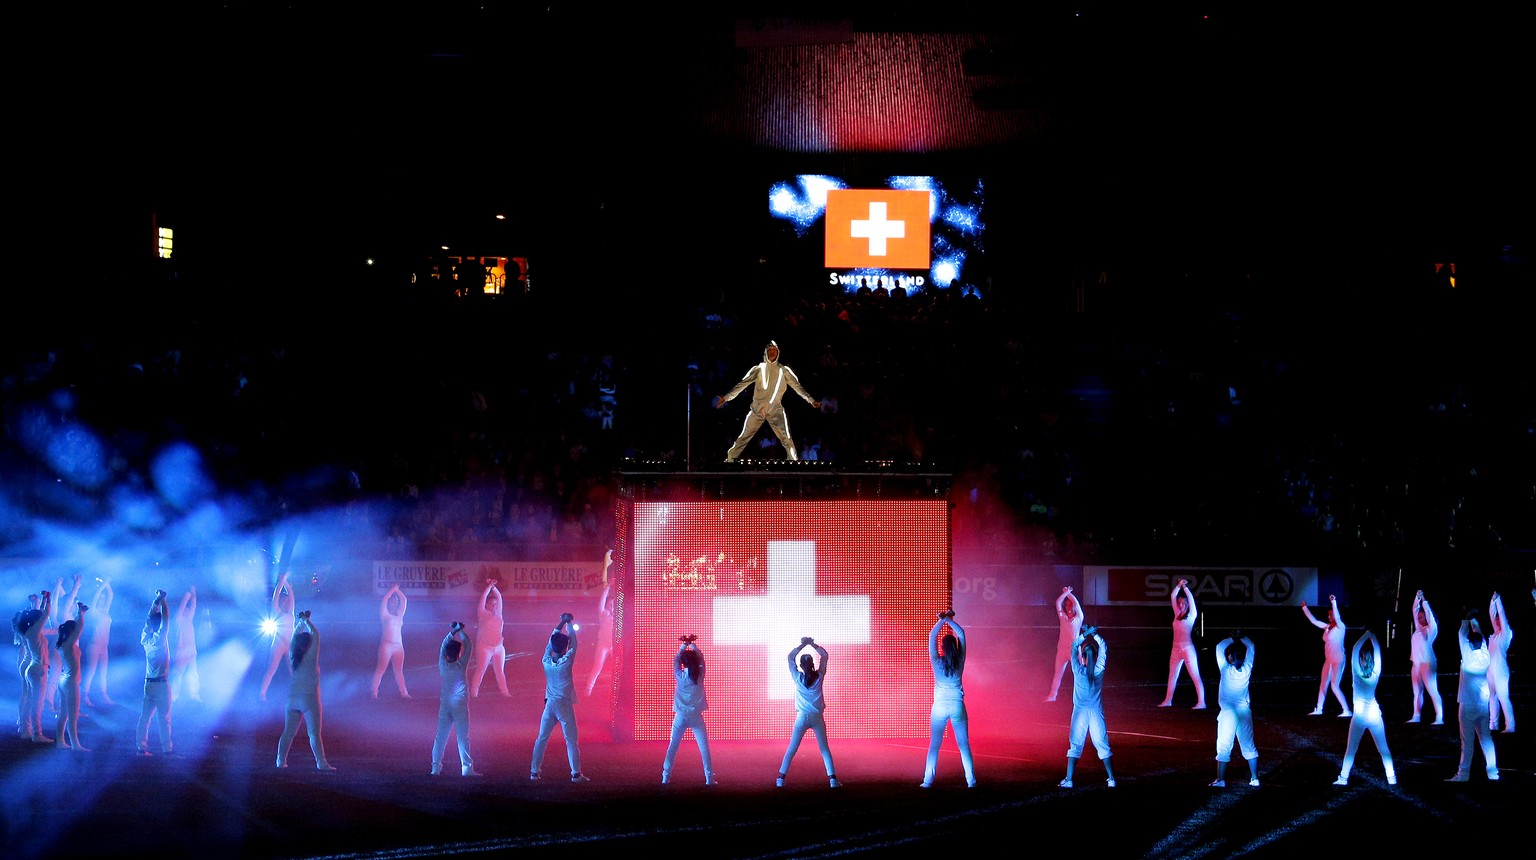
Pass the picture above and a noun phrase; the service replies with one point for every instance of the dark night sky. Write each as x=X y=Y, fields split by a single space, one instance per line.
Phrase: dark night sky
x=1280 y=134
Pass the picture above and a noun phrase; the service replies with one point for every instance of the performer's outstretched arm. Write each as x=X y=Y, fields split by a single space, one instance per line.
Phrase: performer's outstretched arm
x=1221 y=654
x=1496 y=613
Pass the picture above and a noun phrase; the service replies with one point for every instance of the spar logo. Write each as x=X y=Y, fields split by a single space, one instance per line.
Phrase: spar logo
x=877 y=228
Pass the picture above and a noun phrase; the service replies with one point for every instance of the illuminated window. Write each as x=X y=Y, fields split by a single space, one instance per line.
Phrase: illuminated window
x=163 y=239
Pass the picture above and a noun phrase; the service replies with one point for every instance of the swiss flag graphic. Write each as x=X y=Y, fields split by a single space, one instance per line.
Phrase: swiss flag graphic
x=753 y=577
x=882 y=229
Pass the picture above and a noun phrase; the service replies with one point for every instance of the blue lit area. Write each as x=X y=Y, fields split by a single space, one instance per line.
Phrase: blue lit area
x=956 y=214
x=965 y=219
x=816 y=188
x=134 y=508
x=945 y=272
x=179 y=476
x=72 y=450
x=106 y=515
x=802 y=202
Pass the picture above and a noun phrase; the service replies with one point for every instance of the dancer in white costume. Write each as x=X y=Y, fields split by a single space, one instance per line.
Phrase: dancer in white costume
x=453 y=699
x=1069 y=614
x=34 y=667
x=1499 y=637
x=1333 y=656
x=1089 y=657
x=947 y=658
x=282 y=616
x=1365 y=663
x=21 y=620
x=98 y=644
x=810 y=708
x=1183 y=655
x=63 y=610
x=67 y=731
x=688 y=706
x=559 y=699
x=156 y=705
x=768 y=380
x=605 y=609
x=490 y=650
x=391 y=645
x=1472 y=704
x=303 y=693
x=184 y=677
x=1234 y=662
x=18 y=622
x=1424 y=666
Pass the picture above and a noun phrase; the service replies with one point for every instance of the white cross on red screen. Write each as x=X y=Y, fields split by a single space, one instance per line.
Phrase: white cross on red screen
x=877 y=229
x=788 y=610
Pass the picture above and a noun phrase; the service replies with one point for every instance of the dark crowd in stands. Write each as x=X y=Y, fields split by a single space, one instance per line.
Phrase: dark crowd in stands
x=1090 y=427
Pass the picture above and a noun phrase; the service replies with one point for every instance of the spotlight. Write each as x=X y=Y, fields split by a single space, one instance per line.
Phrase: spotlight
x=269 y=626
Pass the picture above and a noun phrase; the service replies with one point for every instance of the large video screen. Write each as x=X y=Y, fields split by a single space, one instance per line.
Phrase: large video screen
x=863 y=578
x=890 y=231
